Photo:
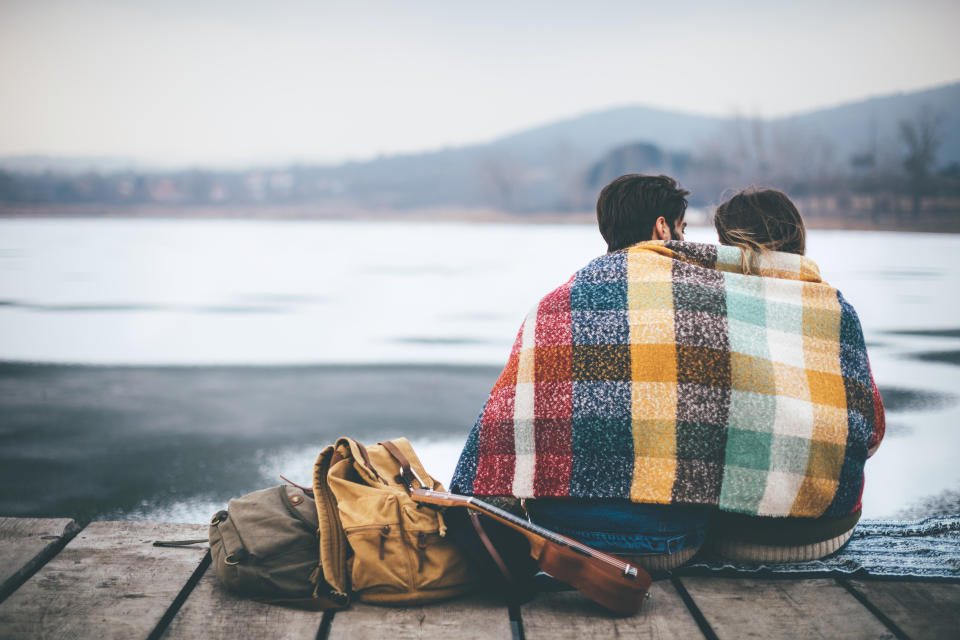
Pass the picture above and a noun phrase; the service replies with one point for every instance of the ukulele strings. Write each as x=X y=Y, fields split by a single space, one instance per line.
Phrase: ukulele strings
x=550 y=535
x=525 y=524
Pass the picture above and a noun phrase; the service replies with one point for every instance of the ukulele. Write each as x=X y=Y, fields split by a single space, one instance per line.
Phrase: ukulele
x=605 y=579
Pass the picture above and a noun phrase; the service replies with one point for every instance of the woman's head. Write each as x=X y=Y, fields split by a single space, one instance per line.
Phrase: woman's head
x=759 y=220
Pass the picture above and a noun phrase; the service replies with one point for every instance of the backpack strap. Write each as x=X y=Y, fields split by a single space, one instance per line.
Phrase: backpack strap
x=178 y=543
x=233 y=545
x=492 y=550
x=319 y=603
x=408 y=474
x=369 y=464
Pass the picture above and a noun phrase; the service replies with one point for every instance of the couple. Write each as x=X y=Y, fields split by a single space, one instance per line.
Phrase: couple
x=673 y=392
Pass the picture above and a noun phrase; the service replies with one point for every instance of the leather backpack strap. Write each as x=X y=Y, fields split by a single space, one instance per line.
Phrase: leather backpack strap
x=179 y=543
x=367 y=463
x=408 y=475
x=492 y=550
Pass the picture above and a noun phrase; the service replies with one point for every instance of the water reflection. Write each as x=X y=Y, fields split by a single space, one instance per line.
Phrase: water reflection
x=897 y=399
x=143 y=307
x=438 y=341
x=935 y=333
x=949 y=357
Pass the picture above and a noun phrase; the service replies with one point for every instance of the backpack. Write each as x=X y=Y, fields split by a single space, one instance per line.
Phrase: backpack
x=376 y=543
x=356 y=535
x=264 y=546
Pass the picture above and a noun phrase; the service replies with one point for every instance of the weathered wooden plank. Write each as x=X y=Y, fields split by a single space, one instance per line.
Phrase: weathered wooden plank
x=568 y=614
x=920 y=609
x=470 y=617
x=213 y=612
x=108 y=582
x=26 y=544
x=775 y=608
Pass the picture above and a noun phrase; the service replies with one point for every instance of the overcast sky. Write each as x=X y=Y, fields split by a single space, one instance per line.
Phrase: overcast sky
x=203 y=81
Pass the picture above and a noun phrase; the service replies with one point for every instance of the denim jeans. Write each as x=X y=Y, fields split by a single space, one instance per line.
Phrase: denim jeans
x=621 y=526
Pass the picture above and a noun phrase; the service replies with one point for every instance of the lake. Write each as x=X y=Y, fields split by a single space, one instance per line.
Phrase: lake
x=156 y=368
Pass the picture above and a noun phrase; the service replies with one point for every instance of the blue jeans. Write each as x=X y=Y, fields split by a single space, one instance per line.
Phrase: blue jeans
x=621 y=526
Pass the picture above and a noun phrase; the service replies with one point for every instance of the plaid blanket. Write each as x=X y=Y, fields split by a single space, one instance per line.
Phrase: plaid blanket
x=662 y=373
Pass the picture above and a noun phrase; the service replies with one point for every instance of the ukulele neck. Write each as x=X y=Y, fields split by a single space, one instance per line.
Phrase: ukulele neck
x=451 y=499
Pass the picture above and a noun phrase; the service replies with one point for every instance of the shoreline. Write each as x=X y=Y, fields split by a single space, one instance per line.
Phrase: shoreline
x=928 y=222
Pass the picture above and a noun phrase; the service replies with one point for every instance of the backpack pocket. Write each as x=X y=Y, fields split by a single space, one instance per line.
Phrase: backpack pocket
x=438 y=564
x=378 y=563
x=265 y=544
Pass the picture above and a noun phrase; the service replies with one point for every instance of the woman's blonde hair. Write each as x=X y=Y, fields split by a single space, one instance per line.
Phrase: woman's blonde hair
x=757 y=220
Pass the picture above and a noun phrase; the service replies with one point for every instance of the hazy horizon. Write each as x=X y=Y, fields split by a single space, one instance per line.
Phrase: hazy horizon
x=143 y=163
x=226 y=84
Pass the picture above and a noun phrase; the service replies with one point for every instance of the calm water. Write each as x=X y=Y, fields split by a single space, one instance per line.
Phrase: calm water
x=293 y=301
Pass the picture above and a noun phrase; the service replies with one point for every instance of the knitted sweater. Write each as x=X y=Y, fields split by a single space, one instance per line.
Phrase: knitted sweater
x=662 y=373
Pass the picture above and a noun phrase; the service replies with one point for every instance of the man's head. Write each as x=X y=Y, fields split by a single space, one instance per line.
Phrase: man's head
x=635 y=207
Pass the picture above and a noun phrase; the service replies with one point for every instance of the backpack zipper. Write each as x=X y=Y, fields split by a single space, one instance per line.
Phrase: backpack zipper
x=421 y=550
x=384 y=532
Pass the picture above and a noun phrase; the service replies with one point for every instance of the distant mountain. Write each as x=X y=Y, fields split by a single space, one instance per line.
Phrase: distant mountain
x=540 y=168
x=850 y=127
x=557 y=166
x=595 y=133
x=67 y=164
x=855 y=127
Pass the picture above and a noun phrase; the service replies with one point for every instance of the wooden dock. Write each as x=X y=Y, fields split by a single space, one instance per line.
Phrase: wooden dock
x=108 y=581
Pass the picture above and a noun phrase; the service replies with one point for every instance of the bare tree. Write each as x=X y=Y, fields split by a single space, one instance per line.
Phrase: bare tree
x=921 y=136
x=500 y=177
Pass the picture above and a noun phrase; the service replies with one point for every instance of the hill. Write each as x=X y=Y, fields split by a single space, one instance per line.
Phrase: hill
x=560 y=165
x=541 y=168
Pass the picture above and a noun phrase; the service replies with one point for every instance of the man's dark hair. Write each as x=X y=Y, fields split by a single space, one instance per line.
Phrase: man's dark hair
x=628 y=207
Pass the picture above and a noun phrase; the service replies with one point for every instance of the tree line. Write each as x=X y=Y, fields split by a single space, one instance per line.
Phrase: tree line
x=894 y=175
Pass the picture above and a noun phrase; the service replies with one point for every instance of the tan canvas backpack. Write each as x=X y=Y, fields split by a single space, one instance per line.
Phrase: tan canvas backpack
x=376 y=543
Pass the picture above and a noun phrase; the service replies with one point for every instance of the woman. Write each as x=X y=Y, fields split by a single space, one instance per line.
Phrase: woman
x=761 y=221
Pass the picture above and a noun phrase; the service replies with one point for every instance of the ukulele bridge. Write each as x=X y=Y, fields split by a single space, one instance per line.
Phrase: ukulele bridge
x=630 y=571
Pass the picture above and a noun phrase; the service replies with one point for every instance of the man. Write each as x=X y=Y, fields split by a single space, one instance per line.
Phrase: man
x=635 y=207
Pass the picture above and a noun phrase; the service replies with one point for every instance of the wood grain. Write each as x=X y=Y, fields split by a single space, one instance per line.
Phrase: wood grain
x=470 y=617
x=568 y=614
x=26 y=544
x=920 y=609
x=213 y=612
x=755 y=608
x=108 y=582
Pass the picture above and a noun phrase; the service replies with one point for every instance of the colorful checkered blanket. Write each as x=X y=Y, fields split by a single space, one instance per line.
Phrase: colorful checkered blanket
x=662 y=373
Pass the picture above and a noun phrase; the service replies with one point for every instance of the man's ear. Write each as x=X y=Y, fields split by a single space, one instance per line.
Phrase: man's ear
x=661 y=230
